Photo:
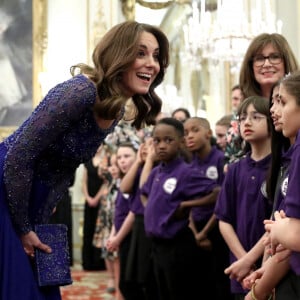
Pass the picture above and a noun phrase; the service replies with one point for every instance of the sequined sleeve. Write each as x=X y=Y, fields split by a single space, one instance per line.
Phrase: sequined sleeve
x=63 y=106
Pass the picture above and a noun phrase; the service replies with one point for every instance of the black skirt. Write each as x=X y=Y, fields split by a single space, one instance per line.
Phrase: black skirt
x=139 y=257
x=288 y=288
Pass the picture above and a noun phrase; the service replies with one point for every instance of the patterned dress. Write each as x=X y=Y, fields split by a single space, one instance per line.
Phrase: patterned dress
x=37 y=164
x=104 y=221
x=234 y=142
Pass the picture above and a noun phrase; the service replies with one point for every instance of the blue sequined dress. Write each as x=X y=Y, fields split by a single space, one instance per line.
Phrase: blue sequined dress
x=37 y=163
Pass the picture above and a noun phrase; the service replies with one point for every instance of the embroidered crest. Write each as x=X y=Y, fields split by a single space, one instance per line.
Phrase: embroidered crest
x=284 y=186
x=212 y=172
x=125 y=195
x=263 y=189
x=170 y=185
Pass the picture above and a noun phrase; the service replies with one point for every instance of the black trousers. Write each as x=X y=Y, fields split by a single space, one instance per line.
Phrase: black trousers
x=213 y=263
x=175 y=267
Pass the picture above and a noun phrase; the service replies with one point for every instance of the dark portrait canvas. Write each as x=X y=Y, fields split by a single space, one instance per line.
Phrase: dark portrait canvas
x=15 y=61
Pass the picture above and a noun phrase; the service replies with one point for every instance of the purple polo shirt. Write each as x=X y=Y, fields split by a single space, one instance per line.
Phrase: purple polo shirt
x=283 y=179
x=137 y=206
x=242 y=203
x=292 y=199
x=123 y=204
x=167 y=186
x=211 y=167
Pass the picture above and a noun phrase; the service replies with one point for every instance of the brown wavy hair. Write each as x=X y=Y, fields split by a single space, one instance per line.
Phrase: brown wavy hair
x=112 y=56
x=248 y=83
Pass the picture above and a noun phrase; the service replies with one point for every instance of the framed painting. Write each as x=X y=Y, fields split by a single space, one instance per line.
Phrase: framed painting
x=23 y=41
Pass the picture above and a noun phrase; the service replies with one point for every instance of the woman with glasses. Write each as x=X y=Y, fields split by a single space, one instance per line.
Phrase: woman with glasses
x=268 y=58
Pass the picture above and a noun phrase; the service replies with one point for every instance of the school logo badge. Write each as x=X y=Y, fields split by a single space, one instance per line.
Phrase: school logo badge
x=170 y=185
x=212 y=172
x=263 y=189
x=284 y=186
x=125 y=196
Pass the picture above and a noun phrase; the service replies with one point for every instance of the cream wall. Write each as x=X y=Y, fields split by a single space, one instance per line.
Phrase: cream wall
x=289 y=13
x=74 y=26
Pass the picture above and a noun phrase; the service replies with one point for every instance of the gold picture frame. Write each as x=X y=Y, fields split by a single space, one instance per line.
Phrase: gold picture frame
x=39 y=46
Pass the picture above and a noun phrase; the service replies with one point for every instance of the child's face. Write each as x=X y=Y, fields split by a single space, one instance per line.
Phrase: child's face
x=196 y=136
x=290 y=113
x=276 y=109
x=113 y=168
x=125 y=158
x=220 y=132
x=166 y=142
x=253 y=125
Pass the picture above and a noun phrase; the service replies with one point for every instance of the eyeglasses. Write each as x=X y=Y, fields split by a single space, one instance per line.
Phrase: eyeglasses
x=274 y=59
x=253 y=117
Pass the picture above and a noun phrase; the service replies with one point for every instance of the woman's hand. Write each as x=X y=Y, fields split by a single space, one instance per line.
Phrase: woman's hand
x=31 y=241
x=92 y=201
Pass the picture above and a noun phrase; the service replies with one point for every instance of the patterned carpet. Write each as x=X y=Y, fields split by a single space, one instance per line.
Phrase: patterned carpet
x=87 y=286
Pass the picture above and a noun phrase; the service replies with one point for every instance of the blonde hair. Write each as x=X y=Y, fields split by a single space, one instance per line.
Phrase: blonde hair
x=225 y=121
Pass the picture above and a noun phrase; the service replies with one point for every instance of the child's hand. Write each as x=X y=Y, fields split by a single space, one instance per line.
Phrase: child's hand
x=250 y=279
x=112 y=244
x=204 y=244
x=151 y=154
x=141 y=154
x=181 y=212
x=239 y=269
x=201 y=235
x=282 y=253
x=248 y=296
x=270 y=227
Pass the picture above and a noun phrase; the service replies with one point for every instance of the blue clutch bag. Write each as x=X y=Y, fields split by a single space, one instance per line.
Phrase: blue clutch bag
x=53 y=268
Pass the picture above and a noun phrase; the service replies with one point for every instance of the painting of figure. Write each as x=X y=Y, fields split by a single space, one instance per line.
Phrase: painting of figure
x=15 y=61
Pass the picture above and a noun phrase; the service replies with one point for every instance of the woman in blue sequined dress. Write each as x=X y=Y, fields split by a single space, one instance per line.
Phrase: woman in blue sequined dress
x=38 y=161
